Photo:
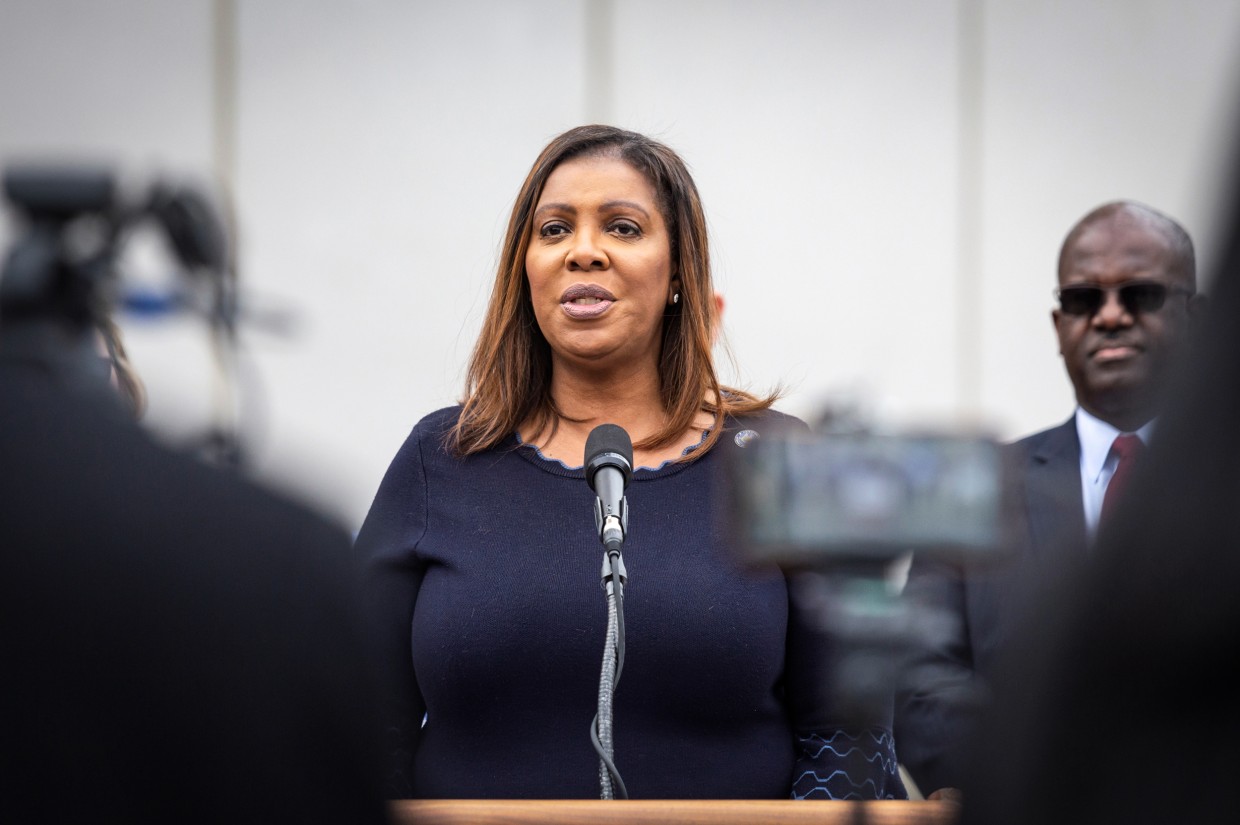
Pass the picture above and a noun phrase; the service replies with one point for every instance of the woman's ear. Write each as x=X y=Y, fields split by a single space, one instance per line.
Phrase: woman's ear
x=673 y=293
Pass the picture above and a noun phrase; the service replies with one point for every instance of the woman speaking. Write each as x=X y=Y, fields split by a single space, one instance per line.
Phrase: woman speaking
x=483 y=555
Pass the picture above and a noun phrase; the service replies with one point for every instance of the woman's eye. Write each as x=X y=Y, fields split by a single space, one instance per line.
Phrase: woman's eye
x=626 y=229
x=552 y=230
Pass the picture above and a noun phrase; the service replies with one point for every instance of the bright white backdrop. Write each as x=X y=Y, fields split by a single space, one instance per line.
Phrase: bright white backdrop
x=887 y=182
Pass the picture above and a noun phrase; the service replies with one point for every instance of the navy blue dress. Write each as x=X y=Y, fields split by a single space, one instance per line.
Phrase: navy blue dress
x=484 y=588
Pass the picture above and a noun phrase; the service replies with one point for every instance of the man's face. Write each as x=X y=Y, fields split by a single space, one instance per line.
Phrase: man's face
x=1118 y=355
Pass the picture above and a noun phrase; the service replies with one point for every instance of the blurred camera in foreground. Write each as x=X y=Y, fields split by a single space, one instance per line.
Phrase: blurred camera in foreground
x=856 y=499
x=843 y=510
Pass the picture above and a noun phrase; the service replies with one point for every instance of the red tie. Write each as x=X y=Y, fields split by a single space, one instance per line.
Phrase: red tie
x=1128 y=447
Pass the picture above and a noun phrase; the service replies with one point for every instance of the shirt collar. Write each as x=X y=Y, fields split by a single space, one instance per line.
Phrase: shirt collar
x=1096 y=437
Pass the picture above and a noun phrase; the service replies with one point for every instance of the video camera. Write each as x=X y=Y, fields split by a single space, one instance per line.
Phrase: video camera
x=841 y=509
x=60 y=278
x=864 y=499
x=75 y=217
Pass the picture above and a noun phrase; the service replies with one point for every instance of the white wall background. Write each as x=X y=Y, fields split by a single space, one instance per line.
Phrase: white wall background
x=887 y=182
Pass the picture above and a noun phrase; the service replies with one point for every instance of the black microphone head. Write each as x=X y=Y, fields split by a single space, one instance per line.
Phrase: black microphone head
x=608 y=445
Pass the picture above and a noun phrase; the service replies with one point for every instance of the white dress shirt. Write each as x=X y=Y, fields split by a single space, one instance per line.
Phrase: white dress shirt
x=1097 y=463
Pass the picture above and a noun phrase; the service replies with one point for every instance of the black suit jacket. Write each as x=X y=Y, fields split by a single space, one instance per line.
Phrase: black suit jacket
x=176 y=644
x=970 y=613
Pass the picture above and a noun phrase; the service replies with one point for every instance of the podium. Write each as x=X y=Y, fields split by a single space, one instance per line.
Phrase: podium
x=670 y=812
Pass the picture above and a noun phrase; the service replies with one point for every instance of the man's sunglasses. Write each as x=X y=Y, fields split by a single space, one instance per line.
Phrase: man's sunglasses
x=1136 y=296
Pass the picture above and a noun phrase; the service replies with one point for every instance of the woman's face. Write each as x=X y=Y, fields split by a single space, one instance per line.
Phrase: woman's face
x=599 y=264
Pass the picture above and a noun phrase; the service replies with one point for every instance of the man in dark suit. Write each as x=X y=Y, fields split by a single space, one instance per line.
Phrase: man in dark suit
x=1123 y=709
x=1127 y=292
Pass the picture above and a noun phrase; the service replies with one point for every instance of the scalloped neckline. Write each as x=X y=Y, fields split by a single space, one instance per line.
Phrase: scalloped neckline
x=535 y=456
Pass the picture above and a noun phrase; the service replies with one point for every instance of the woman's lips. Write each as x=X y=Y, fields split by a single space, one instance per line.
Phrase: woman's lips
x=586 y=301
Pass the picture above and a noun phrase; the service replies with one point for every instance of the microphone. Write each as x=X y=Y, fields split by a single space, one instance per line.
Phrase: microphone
x=609 y=466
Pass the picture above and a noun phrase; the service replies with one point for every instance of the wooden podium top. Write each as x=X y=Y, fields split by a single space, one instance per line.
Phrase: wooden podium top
x=670 y=812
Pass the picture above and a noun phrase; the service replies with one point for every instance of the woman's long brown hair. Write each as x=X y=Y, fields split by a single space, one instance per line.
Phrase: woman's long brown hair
x=509 y=377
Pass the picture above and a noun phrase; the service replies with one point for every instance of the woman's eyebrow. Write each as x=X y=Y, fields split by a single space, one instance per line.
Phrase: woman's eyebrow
x=630 y=204
x=555 y=207
x=606 y=206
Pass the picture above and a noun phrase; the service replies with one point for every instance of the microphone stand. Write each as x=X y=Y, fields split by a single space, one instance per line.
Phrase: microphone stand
x=614 y=576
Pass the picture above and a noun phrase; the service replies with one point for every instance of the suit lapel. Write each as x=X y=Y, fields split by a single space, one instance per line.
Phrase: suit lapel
x=1053 y=493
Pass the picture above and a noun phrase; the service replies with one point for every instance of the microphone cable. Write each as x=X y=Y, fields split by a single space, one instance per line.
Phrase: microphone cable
x=610 y=783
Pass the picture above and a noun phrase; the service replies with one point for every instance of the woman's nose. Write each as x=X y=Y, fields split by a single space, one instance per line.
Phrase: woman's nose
x=585 y=252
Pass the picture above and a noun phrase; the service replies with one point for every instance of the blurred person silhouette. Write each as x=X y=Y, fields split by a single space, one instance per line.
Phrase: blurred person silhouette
x=1120 y=706
x=177 y=643
x=480 y=540
x=1127 y=303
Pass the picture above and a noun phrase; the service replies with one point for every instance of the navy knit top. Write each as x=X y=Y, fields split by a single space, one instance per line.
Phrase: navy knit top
x=484 y=587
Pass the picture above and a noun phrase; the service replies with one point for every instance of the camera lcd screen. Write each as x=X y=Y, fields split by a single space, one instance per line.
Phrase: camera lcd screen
x=800 y=498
